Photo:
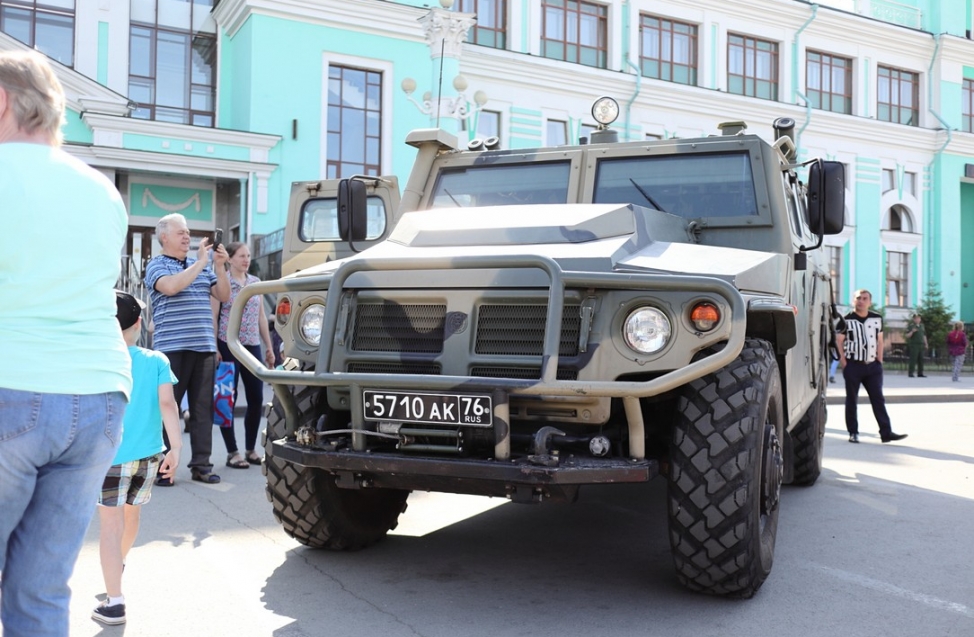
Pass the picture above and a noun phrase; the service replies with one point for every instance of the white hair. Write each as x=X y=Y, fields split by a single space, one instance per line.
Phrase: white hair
x=162 y=226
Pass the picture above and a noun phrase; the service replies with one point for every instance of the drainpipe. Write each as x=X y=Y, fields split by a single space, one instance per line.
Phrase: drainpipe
x=928 y=218
x=796 y=93
x=626 y=17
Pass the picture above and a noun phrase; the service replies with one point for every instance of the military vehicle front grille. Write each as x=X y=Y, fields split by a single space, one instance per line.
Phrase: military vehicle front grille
x=394 y=368
x=391 y=327
x=530 y=373
x=518 y=330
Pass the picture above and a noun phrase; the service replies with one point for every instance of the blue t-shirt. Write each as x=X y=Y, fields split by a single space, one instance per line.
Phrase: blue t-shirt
x=63 y=230
x=183 y=321
x=142 y=425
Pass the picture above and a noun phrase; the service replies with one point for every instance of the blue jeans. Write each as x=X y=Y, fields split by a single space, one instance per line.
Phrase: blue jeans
x=55 y=450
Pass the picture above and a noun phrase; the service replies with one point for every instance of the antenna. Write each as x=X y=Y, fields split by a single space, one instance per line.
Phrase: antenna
x=439 y=88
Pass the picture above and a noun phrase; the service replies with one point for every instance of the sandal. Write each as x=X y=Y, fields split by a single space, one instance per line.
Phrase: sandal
x=205 y=476
x=235 y=461
x=253 y=458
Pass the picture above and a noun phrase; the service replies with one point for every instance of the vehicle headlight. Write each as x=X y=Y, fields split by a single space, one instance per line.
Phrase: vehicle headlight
x=311 y=321
x=647 y=330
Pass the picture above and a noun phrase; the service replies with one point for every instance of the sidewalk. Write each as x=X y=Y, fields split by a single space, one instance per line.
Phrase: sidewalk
x=900 y=388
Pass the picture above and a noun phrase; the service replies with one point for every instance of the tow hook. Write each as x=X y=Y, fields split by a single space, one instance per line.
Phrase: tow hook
x=539 y=447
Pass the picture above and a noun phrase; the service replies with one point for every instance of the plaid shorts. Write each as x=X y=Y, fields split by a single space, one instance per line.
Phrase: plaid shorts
x=129 y=482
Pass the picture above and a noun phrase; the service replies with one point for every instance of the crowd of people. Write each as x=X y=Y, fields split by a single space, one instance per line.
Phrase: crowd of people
x=90 y=419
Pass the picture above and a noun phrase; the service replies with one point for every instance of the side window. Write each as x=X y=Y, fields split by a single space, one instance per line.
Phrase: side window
x=319 y=220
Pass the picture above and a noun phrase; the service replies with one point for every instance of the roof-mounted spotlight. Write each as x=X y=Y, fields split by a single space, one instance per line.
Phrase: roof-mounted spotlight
x=605 y=110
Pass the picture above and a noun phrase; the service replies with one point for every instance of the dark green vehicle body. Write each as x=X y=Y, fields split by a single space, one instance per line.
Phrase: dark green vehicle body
x=478 y=341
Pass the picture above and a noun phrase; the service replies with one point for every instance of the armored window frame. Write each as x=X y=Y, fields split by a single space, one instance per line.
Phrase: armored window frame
x=760 y=207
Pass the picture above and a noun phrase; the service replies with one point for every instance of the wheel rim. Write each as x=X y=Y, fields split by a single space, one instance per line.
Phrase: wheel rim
x=772 y=471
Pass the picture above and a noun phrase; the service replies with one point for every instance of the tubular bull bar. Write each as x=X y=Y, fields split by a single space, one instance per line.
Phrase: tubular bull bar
x=629 y=391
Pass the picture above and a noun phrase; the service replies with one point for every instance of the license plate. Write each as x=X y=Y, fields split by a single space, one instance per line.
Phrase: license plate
x=469 y=410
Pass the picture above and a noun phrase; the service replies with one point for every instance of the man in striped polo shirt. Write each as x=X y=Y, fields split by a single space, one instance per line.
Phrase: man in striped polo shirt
x=180 y=288
x=861 y=357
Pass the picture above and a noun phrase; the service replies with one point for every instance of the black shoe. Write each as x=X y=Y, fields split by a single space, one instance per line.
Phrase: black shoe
x=853 y=437
x=110 y=615
x=894 y=437
x=910 y=375
x=921 y=375
x=163 y=482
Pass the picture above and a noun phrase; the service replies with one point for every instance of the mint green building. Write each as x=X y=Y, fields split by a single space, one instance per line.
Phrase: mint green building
x=213 y=111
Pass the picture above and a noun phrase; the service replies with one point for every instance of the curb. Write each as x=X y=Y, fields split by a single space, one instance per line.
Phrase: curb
x=901 y=399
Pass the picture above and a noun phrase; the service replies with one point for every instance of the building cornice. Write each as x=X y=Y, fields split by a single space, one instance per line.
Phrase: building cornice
x=197 y=134
x=390 y=19
x=482 y=64
x=141 y=161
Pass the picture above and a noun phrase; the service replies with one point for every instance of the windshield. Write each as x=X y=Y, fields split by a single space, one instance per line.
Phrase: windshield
x=502 y=185
x=691 y=186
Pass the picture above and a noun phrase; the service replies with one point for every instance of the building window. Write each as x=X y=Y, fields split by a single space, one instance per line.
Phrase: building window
x=898 y=220
x=557 y=132
x=828 y=82
x=898 y=279
x=491 y=27
x=889 y=179
x=898 y=96
x=835 y=269
x=669 y=50
x=354 y=122
x=488 y=124
x=910 y=183
x=752 y=67
x=968 y=106
x=46 y=26
x=575 y=31
x=172 y=62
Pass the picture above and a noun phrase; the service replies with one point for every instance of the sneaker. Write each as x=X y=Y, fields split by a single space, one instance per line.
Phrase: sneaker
x=853 y=437
x=894 y=437
x=110 y=615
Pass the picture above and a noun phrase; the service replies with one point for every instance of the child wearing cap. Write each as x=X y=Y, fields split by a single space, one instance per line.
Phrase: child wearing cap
x=128 y=484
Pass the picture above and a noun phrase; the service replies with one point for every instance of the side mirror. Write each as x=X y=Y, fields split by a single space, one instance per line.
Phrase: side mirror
x=826 y=197
x=352 y=210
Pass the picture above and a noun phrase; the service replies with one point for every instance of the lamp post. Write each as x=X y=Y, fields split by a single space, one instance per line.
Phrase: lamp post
x=445 y=32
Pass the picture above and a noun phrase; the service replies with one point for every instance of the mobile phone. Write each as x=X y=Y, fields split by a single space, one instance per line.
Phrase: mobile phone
x=217 y=238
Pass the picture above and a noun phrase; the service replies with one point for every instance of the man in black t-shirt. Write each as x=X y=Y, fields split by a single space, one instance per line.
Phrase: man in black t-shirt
x=861 y=357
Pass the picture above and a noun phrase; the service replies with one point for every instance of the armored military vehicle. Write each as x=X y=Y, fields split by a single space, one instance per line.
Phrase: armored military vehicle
x=526 y=322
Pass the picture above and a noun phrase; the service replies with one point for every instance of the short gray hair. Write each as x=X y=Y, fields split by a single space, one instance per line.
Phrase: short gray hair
x=162 y=226
x=33 y=92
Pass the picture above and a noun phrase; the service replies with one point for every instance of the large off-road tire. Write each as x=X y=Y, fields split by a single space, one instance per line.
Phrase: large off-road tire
x=725 y=475
x=808 y=441
x=311 y=507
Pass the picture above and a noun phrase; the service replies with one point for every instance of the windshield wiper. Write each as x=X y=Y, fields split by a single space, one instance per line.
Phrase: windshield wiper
x=453 y=199
x=646 y=194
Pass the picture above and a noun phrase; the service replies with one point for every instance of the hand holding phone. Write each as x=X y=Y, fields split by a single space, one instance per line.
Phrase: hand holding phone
x=217 y=238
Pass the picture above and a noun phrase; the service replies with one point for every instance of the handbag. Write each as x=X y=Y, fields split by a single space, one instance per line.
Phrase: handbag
x=223 y=386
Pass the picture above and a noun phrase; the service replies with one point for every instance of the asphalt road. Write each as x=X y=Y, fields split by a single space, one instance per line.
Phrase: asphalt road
x=881 y=545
